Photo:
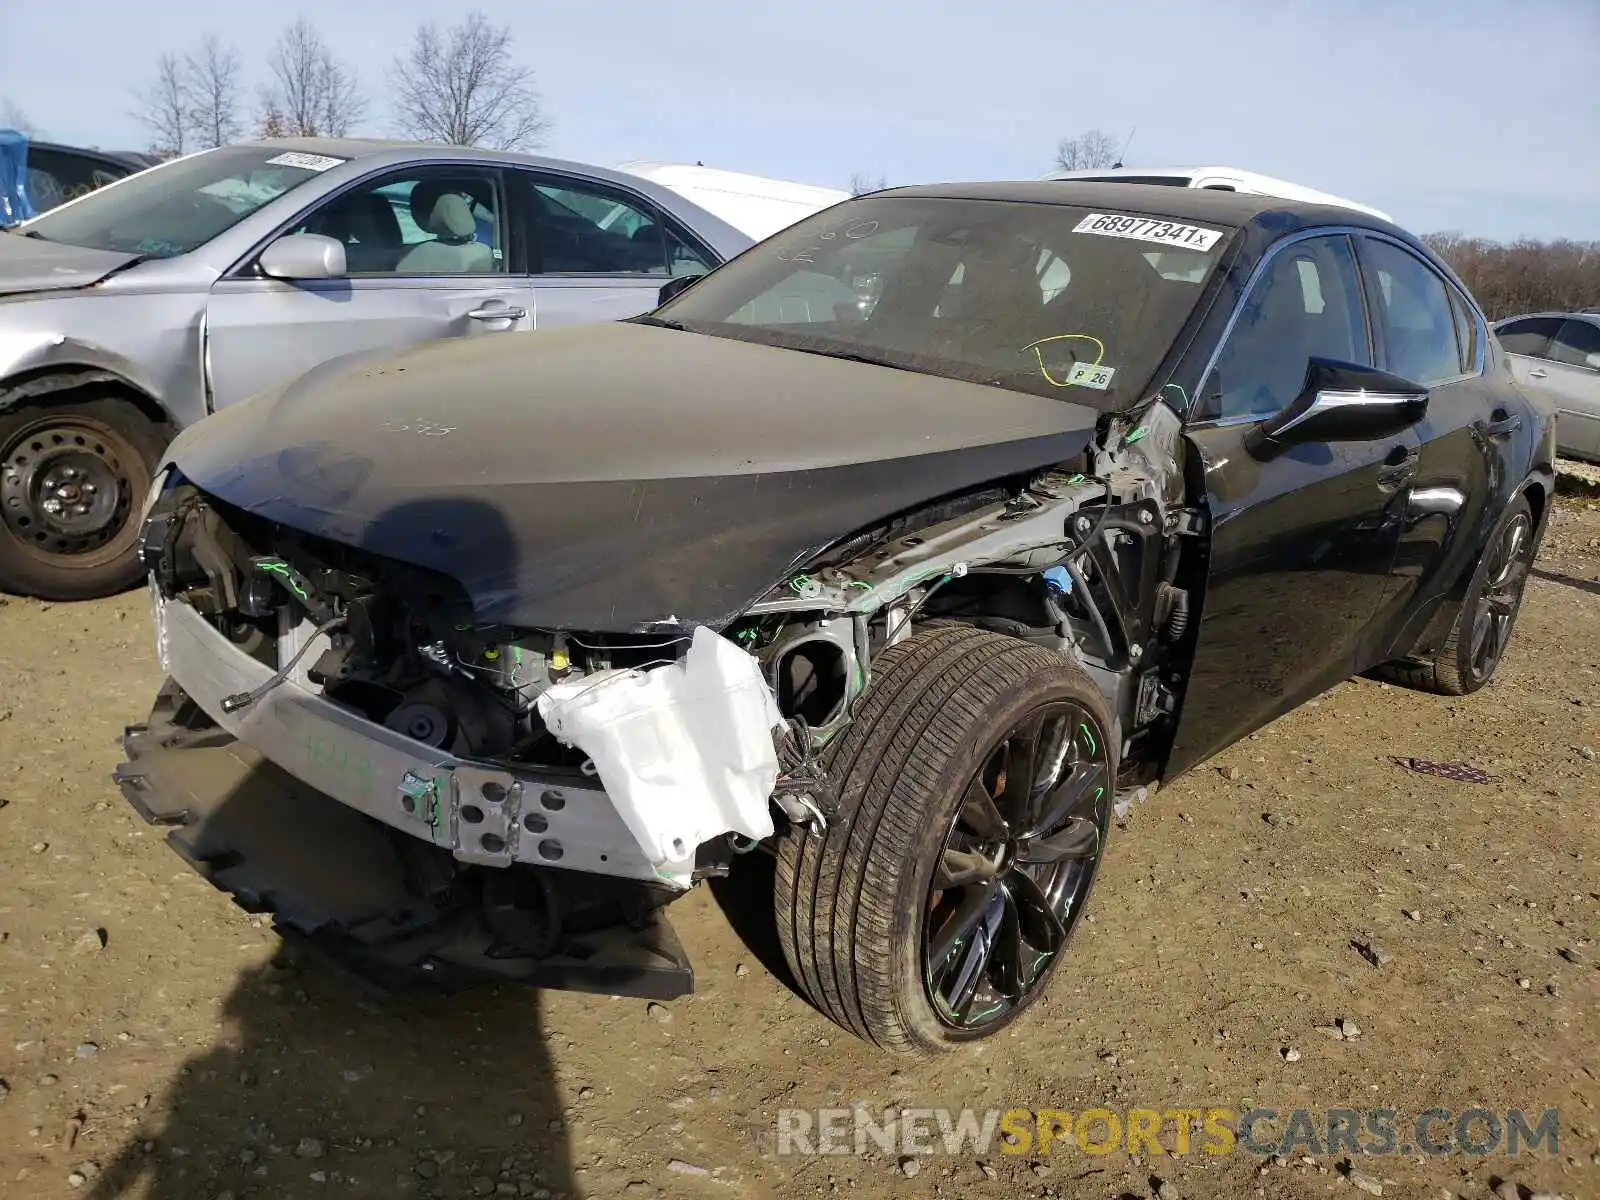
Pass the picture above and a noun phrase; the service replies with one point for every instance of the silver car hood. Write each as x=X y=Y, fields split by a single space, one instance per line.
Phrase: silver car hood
x=29 y=264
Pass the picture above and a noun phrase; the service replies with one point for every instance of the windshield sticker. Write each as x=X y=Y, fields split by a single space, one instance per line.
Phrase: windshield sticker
x=1090 y=375
x=309 y=162
x=1081 y=372
x=1149 y=229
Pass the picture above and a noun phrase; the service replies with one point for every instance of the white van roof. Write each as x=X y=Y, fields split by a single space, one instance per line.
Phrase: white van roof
x=1226 y=178
x=753 y=204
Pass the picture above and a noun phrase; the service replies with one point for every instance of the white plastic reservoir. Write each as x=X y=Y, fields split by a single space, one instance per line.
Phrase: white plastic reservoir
x=685 y=750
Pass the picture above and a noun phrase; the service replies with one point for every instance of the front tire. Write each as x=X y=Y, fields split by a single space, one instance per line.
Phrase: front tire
x=975 y=787
x=72 y=477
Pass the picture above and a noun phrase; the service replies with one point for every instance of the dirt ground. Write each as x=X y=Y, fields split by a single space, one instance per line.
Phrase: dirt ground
x=156 y=1042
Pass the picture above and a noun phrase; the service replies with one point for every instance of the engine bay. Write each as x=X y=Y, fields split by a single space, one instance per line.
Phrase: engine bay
x=1083 y=562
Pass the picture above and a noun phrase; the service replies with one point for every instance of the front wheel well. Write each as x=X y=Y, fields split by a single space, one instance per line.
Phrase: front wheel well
x=58 y=385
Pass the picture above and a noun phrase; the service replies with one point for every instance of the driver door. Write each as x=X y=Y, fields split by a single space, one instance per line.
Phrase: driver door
x=410 y=278
x=1301 y=543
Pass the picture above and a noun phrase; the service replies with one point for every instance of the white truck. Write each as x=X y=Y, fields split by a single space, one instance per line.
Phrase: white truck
x=1224 y=179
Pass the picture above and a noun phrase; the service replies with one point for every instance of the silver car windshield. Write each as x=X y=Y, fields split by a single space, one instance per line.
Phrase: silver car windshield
x=181 y=205
x=1068 y=302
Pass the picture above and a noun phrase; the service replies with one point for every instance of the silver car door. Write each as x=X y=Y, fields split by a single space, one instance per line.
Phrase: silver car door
x=1572 y=377
x=1526 y=342
x=600 y=252
x=426 y=258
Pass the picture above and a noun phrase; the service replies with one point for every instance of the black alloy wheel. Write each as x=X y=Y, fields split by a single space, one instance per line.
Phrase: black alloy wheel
x=1017 y=863
x=1477 y=642
x=1494 y=608
x=975 y=786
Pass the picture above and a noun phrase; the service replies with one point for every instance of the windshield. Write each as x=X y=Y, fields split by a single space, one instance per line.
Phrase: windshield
x=1044 y=298
x=181 y=205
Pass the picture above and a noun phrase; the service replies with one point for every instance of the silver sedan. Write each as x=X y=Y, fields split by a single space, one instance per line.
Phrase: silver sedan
x=1558 y=355
x=136 y=310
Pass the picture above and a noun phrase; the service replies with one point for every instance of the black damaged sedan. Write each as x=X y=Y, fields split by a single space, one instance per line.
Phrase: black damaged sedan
x=910 y=548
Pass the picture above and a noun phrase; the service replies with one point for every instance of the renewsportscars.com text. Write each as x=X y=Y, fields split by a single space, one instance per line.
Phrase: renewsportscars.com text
x=1158 y=1131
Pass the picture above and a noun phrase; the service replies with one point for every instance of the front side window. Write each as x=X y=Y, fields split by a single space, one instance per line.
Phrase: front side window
x=1307 y=304
x=1051 y=299
x=417 y=222
x=1413 y=310
x=1575 y=343
x=1529 y=336
x=585 y=228
x=180 y=205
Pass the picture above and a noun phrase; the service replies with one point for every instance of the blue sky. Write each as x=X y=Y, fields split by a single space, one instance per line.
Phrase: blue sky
x=1473 y=115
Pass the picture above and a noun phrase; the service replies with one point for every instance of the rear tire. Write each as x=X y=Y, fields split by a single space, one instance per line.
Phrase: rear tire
x=869 y=913
x=72 y=478
x=1483 y=628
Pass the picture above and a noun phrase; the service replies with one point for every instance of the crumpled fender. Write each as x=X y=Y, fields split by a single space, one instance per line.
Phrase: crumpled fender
x=53 y=362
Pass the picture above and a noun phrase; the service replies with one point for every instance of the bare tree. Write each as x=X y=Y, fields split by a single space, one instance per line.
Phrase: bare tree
x=272 y=123
x=464 y=88
x=312 y=94
x=164 y=106
x=12 y=117
x=1087 y=152
x=212 y=78
x=861 y=183
x=1525 y=275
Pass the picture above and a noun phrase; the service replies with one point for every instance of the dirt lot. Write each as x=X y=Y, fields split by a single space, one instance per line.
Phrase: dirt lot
x=156 y=1042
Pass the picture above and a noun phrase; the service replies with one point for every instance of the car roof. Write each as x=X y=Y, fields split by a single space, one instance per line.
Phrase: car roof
x=410 y=151
x=1191 y=204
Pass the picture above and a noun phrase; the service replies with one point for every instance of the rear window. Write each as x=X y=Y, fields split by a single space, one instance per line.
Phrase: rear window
x=1062 y=301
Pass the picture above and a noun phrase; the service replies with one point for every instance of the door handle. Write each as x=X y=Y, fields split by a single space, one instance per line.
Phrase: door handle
x=503 y=312
x=1399 y=465
x=1538 y=373
x=1498 y=425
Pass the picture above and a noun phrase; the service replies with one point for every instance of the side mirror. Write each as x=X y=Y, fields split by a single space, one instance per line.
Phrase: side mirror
x=1342 y=402
x=675 y=286
x=304 y=256
x=1593 y=361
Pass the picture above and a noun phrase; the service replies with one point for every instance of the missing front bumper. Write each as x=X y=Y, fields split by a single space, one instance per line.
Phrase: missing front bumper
x=347 y=882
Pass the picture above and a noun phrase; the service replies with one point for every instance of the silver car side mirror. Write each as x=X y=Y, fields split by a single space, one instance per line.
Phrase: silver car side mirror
x=304 y=256
x=1593 y=360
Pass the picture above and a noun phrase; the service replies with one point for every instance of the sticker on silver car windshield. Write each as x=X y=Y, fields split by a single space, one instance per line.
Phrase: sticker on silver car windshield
x=309 y=162
x=1149 y=229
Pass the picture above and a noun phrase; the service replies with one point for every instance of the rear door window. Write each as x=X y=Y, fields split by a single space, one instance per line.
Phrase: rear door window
x=1469 y=332
x=583 y=227
x=1412 y=308
x=1529 y=336
x=1574 y=342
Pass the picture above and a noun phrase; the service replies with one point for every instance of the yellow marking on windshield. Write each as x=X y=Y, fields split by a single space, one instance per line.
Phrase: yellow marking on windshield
x=1100 y=348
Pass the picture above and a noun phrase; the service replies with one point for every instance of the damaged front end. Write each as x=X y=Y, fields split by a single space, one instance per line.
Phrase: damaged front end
x=343 y=744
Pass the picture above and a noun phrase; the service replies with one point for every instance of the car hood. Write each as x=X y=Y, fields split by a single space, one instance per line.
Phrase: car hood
x=30 y=264
x=613 y=477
